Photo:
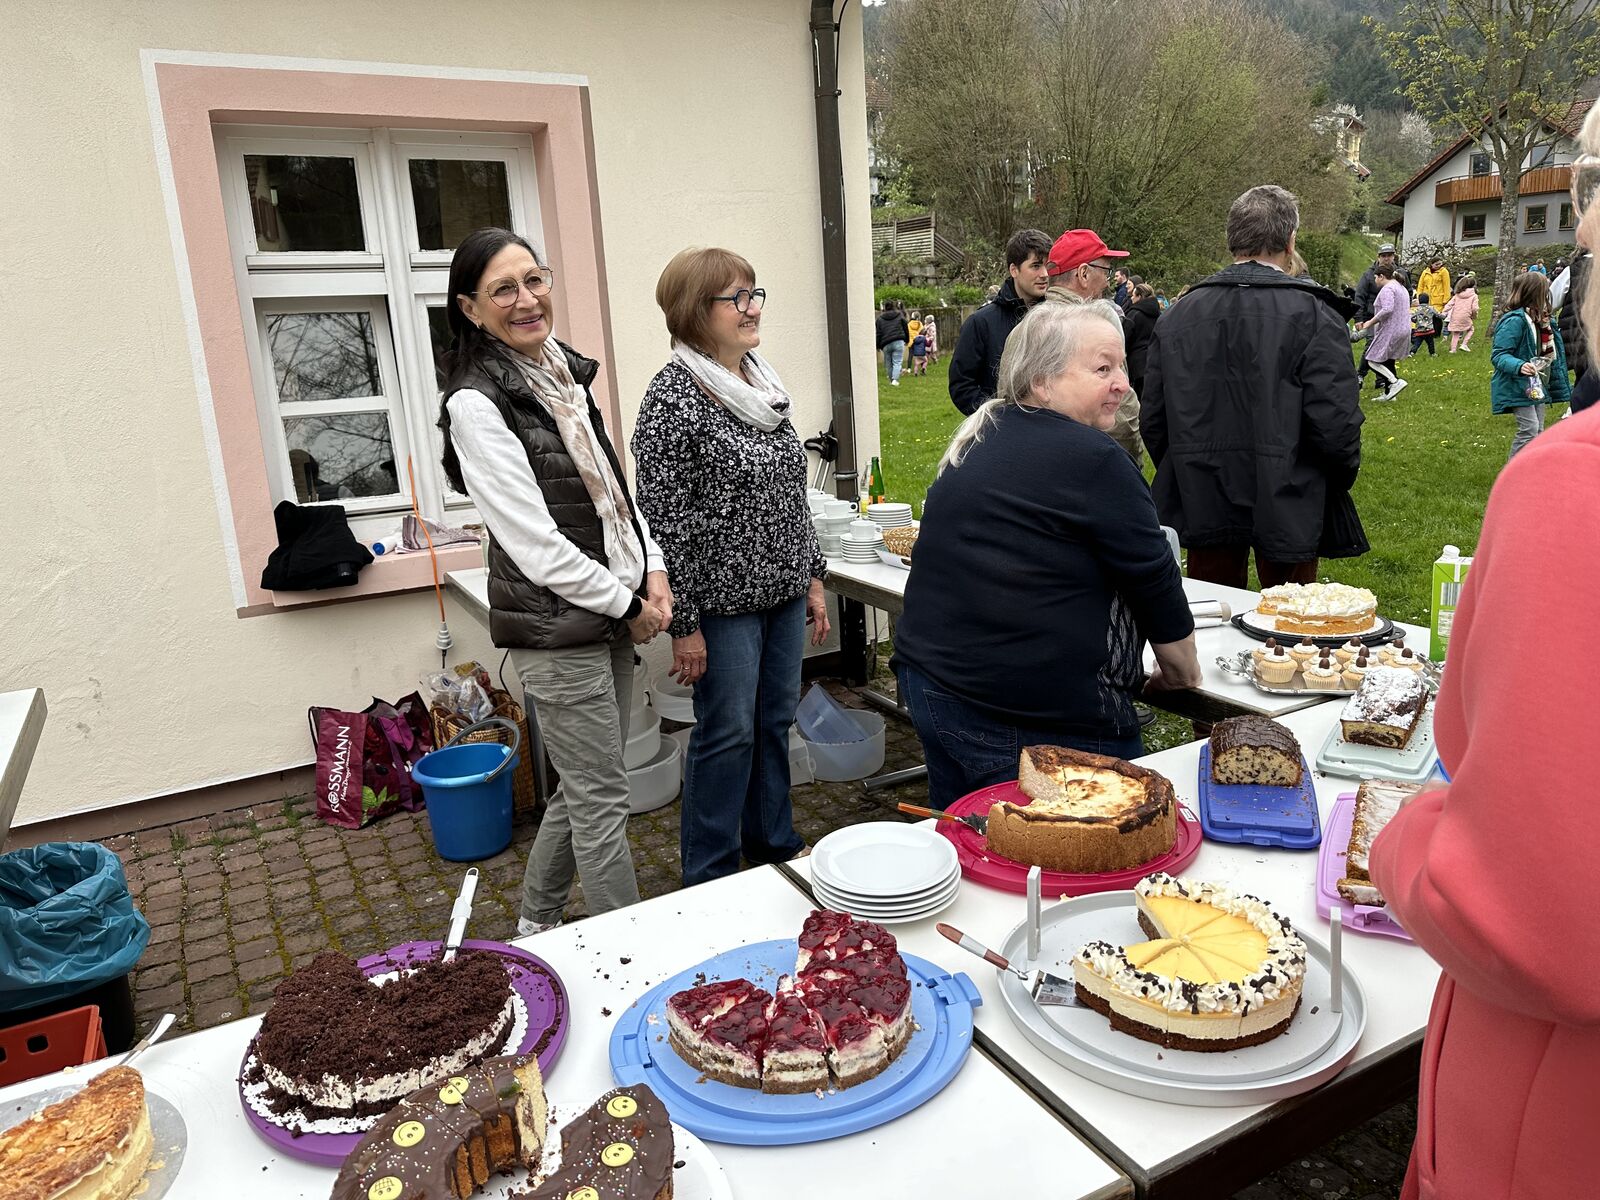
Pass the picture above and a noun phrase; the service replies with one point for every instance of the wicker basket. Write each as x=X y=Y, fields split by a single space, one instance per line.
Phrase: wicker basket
x=901 y=540
x=447 y=724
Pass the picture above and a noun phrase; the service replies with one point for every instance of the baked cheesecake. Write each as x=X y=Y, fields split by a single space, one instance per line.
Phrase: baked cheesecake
x=1087 y=813
x=1254 y=750
x=1386 y=708
x=94 y=1145
x=1377 y=801
x=1220 y=971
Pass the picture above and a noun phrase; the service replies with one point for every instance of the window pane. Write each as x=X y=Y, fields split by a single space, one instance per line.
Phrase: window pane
x=323 y=355
x=1566 y=216
x=1535 y=219
x=439 y=337
x=341 y=457
x=453 y=196
x=304 y=202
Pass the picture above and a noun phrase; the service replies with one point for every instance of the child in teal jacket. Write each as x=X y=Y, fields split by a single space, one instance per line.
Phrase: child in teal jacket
x=1530 y=361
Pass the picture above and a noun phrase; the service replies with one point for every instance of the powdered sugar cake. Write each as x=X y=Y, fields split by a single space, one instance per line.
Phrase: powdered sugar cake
x=1386 y=708
x=1377 y=801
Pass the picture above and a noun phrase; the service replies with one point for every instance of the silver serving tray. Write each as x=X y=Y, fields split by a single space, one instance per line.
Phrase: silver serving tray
x=1317 y=1046
x=1242 y=669
x=168 y=1132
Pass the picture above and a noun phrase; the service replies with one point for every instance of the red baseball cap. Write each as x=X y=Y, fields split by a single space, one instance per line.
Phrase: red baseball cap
x=1078 y=246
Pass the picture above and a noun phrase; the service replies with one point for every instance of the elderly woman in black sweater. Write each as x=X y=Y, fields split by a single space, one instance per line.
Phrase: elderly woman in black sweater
x=1041 y=569
x=722 y=478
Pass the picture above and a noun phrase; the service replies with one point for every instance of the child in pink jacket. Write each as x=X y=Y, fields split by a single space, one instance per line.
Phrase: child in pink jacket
x=1493 y=875
x=1460 y=313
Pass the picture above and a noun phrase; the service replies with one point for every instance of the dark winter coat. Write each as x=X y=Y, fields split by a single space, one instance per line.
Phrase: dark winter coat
x=315 y=549
x=1514 y=344
x=1571 y=324
x=1252 y=415
x=1137 y=325
x=523 y=614
x=975 y=365
x=892 y=327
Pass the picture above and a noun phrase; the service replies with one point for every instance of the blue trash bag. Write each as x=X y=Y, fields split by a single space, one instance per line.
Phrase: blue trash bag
x=67 y=923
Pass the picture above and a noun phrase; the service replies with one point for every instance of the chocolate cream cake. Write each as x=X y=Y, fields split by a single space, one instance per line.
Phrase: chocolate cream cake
x=1254 y=750
x=842 y=1018
x=334 y=1043
x=1088 y=813
x=1386 y=709
x=1220 y=972
x=1377 y=801
x=94 y=1145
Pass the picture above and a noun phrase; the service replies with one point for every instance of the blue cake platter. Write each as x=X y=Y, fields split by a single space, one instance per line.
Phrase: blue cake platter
x=1257 y=814
x=941 y=1007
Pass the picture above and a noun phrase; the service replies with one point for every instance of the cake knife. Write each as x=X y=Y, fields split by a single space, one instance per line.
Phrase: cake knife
x=149 y=1039
x=1047 y=990
x=972 y=821
x=459 y=912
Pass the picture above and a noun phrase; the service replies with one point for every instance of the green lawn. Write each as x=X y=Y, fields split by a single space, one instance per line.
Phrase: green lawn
x=1428 y=461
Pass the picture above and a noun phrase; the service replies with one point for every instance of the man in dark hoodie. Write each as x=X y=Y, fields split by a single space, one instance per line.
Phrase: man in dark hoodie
x=975 y=365
x=1251 y=410
x=893 y=334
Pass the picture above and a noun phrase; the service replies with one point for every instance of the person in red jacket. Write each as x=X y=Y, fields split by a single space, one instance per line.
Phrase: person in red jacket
x=1490 y=874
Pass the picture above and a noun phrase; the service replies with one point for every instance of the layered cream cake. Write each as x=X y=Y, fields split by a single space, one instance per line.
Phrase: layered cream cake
x=1377 y=801
x=842 y=1018
x=1386 y=708
x=94 y=1145
x=1088 y=813
x=1221 y=970
x=1319 y=609
x=1256 y=750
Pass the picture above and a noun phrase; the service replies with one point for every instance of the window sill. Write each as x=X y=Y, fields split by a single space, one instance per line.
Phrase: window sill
x=386 y=576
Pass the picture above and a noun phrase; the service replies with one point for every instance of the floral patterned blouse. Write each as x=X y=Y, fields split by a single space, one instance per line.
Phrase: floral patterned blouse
x=725 y=501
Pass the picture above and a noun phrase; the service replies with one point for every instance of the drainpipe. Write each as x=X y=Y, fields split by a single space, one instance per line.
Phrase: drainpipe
x=830 y=174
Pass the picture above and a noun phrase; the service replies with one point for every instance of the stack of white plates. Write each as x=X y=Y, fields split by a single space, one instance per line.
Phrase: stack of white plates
x=886 y=871
x=889 y=515
x=855 y=548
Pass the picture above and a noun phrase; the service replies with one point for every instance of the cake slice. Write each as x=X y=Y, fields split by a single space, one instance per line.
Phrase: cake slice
x=1386 y=708
x=829 y=936
x=720 y=1029
x=1254 y=750
x=865 y=1015
x=1377 y=801
x=794 y=1057
x=95 y=1144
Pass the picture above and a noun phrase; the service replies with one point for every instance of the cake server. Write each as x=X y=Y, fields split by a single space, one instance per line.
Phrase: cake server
x=149 y=1039
x=972 y=820
x=1047 y=990
x=459 y=912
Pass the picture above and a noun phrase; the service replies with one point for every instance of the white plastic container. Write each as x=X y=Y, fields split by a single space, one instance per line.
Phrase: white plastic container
x=671 y=699
x=838 y=761
x=799 y=759
x=644 y=739
x=657 y=782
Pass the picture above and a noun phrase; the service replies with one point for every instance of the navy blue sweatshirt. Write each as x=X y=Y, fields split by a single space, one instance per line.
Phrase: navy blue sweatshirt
x=1039 y=572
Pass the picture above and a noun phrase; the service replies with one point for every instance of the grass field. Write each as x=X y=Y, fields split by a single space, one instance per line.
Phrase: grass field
x=1427 y=463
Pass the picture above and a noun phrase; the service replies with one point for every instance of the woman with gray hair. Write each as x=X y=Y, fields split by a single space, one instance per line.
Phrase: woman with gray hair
x=1041 y=569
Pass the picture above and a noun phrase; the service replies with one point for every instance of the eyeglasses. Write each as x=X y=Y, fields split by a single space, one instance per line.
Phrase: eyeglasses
x=1101 y=267
x=505 y=292
x=1585 y=183
x=744 y=298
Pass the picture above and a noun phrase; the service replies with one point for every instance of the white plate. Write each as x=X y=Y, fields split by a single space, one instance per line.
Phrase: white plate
x=1269 y=624
x=910 y=900
x=860 y=907
x=901 y=918
x=884 y=858
x=700 y=1178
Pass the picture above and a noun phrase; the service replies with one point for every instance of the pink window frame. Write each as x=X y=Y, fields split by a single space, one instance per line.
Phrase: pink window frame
x=193 y=98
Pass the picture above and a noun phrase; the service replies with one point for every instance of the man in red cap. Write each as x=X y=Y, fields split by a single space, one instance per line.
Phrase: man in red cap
x=975 y=365
x=1081 y=270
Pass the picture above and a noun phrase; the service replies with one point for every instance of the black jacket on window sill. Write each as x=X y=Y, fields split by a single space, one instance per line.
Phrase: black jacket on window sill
x=315 y=549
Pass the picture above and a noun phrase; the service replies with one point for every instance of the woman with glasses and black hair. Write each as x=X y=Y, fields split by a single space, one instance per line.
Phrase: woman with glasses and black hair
x=575 y=580
x=722 y=475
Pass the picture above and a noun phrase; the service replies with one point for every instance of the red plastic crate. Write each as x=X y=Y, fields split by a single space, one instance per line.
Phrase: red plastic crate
x=67 y=1039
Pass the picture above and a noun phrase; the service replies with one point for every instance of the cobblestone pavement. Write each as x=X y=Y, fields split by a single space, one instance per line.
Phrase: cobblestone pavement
x=238 y=900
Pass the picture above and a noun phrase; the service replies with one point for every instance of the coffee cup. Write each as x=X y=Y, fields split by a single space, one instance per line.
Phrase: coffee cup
x=838 y=508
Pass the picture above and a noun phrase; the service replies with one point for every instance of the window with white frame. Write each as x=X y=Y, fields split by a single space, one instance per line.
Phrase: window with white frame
x=341 y=243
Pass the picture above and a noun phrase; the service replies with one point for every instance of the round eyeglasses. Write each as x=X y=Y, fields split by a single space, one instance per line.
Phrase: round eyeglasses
x=745 y=297
x=505 y=292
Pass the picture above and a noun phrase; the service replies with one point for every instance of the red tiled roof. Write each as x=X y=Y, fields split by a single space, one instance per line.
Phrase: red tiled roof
x=1570 y=123
x=877 y=95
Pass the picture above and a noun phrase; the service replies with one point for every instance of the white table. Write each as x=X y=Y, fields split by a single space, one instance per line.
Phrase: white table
x=662 y=937
x=22 y=716
x=1190 y=1151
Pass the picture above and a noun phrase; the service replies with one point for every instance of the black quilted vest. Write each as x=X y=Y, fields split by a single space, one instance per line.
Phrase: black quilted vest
x=524 y=615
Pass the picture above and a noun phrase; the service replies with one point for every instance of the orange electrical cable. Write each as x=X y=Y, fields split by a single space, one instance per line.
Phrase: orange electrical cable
x=433 y=557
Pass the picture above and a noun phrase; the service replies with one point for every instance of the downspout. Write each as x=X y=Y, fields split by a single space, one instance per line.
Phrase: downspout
x=830 y=175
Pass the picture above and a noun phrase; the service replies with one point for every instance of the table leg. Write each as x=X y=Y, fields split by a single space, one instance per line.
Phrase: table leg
x=853 y=640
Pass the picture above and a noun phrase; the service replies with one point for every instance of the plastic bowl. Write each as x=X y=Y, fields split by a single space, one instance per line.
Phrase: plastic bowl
x=656 y=783
x=838 y=761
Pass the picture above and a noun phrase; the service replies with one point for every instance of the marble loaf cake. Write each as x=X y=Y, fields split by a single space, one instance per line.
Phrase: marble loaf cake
x=1386 y=708
x=1254 y=750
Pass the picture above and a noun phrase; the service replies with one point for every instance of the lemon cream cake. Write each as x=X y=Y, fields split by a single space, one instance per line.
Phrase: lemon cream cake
x=1220 y=971
x=94 y=1145
x=1088 y=813
x=1319 y=609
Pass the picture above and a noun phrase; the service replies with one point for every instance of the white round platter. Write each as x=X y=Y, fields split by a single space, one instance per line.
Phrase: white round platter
x=884 y=859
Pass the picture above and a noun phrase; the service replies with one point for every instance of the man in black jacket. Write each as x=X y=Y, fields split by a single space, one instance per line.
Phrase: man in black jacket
x=975 y=365
x=1251 y=411
x=893 y=334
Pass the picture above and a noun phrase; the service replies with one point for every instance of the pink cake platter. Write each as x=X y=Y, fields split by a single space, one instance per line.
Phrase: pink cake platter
x=1362 y=918
x=981 y=864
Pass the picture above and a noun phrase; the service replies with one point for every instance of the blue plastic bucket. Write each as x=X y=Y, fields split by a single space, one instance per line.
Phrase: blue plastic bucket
x=467 y=786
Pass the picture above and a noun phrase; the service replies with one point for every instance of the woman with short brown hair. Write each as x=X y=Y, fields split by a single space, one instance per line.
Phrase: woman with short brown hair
x=722 y=479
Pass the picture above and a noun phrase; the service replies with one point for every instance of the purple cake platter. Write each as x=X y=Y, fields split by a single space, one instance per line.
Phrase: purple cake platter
x=532 y=978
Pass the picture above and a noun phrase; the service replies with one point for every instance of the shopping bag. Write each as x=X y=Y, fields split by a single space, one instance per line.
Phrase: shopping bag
x=408 y=728
x=358 y=776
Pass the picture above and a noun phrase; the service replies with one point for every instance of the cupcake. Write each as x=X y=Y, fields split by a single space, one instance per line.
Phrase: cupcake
x=1261 y=652
x=1323 y=675
x=1276 y=666
x=1355 y=672
x=1349 y=652
x=1406 y=660
x=1387 y=654
x=1306 y=653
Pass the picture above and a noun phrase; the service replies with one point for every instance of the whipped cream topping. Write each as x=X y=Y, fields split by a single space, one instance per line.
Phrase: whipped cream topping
x=1321 y=600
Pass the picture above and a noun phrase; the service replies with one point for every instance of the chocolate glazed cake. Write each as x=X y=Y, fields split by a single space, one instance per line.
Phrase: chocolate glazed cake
x=620 y=1148
x=1254 y=750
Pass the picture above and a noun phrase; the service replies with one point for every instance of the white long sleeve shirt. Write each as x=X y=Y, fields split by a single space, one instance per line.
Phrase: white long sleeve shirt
x=494 y=464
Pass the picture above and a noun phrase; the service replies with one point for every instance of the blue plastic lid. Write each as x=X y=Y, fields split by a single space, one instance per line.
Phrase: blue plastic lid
x=1259 y=815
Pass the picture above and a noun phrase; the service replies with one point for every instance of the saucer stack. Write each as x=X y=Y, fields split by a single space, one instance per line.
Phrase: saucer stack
x=861 y=542
x=885 y=871
x=889 y=514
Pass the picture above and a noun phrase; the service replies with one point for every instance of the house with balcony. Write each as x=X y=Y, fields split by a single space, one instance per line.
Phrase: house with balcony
x=1456 y=196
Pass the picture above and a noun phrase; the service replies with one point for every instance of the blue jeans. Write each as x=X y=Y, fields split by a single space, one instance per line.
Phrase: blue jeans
x=894 y=354
x=966 y=749
x=736 y=780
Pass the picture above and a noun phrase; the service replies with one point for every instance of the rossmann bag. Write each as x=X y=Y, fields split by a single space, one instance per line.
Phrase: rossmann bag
x=364 y=760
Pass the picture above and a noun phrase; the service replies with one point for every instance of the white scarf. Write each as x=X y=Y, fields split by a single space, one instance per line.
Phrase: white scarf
x=552 y=382
x=762 y=403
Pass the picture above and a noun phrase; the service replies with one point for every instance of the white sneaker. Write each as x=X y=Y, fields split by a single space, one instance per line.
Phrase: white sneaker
x=894 y=383
x=527 y=928
x=1400 y=385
